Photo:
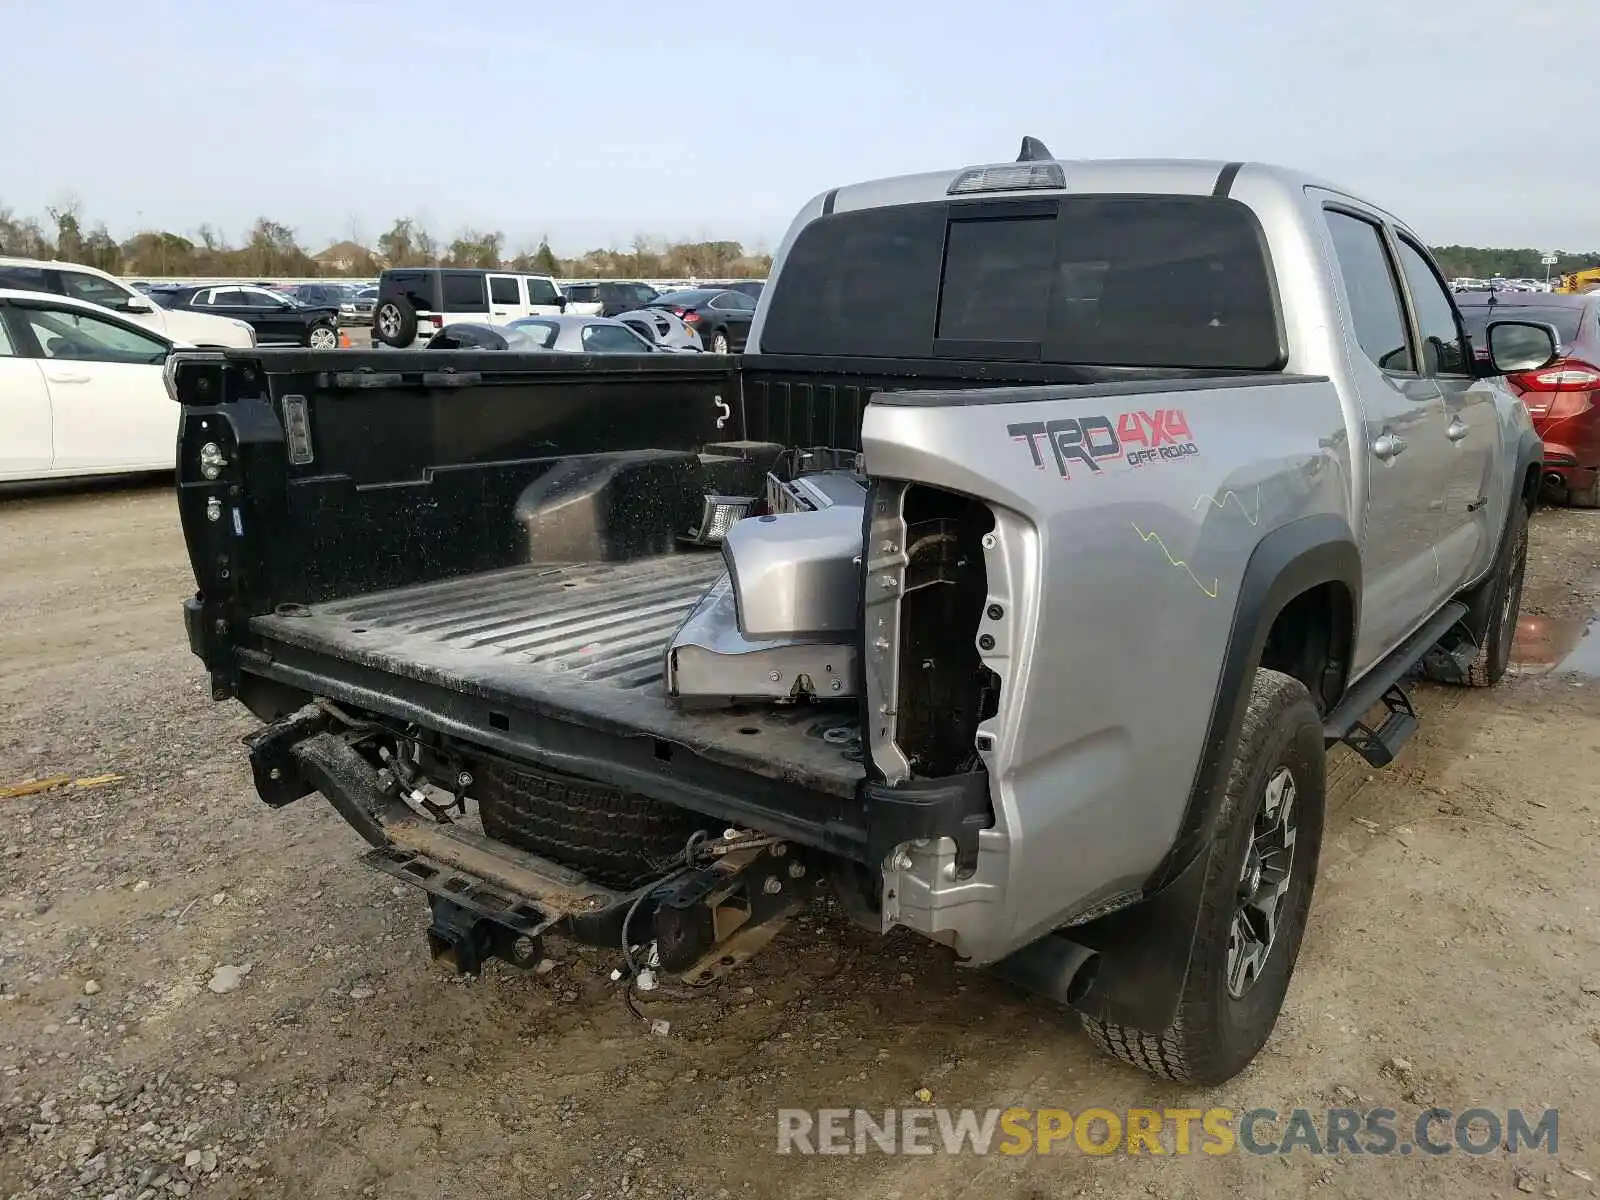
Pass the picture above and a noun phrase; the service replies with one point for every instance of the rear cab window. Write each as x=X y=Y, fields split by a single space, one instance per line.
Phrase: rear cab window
x=1153 y=281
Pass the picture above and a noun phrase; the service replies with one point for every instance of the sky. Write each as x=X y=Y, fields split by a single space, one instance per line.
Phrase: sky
x=1475 y=121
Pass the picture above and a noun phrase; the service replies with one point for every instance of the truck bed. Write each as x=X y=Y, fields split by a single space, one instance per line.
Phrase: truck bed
x=584 y=643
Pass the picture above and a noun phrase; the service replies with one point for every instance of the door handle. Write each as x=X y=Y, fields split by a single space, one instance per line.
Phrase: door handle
x=66 y=377
x=1388 y=445
x=1457 y=429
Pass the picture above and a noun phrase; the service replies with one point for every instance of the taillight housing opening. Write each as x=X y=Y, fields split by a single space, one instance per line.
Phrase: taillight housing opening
x=1563 y=375
x=1566 y=387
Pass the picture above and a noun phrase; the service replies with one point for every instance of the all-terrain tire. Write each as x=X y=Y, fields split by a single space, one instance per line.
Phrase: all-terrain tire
x=616 y=838
x=1494 y=604
x=1215 y=1034
x=395 y=322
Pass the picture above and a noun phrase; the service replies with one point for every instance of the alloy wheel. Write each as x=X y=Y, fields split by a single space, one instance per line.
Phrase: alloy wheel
x=1263 y=884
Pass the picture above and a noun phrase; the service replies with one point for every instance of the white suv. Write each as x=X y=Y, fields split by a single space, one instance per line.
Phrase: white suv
x=97 y=287
x=414 y=303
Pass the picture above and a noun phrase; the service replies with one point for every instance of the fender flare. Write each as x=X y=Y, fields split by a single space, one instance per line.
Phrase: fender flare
x=1143 y=951
x=1530 y=452
x=1290 y=560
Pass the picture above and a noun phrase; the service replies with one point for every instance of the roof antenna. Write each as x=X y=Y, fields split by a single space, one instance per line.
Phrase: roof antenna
x=1033 y=150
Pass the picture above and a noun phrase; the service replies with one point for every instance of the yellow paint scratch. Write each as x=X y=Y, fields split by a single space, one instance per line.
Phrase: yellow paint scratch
x=1234 y=496
x=32 y=787
x=94 y=781
x=1216 y=584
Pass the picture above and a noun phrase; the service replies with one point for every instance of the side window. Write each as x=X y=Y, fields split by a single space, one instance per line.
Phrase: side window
x=92 y=288
x=464 y=291
x=228 y=298
x=24 y=279
x=1369 y=282
x=542 y=291
x=542 y=332
x=262 y=300
x=612 y=339
x=503 y=290
x=7 y=350
x=67 y=334
x=1443 y=352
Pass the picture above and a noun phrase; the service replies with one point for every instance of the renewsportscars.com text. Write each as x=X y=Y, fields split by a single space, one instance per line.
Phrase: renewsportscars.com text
x=1171 y=1131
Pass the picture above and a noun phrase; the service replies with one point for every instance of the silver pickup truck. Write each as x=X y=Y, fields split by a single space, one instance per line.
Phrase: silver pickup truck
x=1010 y=588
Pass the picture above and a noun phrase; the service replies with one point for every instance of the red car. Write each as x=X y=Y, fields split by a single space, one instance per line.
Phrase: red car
x=1564 y=398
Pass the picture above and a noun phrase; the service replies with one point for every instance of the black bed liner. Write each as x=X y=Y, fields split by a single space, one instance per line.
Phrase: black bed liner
x=583 y=644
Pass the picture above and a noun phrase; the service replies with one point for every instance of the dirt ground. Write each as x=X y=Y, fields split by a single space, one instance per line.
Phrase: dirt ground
x=1453 y=959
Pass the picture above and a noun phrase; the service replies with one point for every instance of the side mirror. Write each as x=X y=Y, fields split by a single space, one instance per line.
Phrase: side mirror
x=1516 y=346
x=137 y=304
x=561 y=303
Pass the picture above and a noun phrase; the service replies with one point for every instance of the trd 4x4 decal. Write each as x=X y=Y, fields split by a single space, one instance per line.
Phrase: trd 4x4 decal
x=1131 y=439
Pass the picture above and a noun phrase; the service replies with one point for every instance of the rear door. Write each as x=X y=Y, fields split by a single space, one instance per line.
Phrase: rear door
x=1404 y=454
x=25 y=433
x=1475 y=496
x=109 y=406
x=506 y=299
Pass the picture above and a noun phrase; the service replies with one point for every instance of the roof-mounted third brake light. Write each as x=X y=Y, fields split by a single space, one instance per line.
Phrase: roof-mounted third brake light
x=1010 y=178
x=1035 y=169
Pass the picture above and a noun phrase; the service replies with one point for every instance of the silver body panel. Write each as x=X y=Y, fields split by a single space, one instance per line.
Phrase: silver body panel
x=711 y=663
x=796 y=574
x=1119 y=591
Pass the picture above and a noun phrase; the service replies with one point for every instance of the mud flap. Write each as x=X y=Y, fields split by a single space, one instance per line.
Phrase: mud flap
x=1141 y=954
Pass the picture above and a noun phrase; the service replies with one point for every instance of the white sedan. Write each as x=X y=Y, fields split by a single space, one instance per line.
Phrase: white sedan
x=81 y=391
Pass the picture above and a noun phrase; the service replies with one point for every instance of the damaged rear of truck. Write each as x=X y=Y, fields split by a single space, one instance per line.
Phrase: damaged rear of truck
x=1008 y=589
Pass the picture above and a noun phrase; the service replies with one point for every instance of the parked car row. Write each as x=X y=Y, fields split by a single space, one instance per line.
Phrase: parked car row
x=417 y=304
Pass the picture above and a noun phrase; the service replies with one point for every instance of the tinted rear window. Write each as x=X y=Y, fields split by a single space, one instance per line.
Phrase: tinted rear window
x=582 y=293
x=1566 y=319
x=464 y=291
x=1177 y=281
x=420 y=288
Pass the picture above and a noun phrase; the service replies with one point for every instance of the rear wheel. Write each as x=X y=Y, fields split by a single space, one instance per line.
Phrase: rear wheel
x=1255 y=900
x=395 y=322
x=323 y=337
x=719 y=342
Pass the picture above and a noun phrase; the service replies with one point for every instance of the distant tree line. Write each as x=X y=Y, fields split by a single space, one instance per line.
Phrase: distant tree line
x=1481 y=262
x=270 y=248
